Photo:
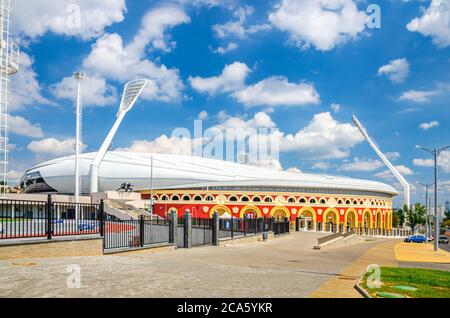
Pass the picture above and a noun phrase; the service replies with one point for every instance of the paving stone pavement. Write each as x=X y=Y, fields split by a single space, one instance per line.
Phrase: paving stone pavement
x=283 y=267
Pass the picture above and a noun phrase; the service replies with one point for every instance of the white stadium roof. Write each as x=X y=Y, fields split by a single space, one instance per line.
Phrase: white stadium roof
x=177 y=172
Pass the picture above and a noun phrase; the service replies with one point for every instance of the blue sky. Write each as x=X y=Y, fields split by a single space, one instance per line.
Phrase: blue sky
x=239 y=64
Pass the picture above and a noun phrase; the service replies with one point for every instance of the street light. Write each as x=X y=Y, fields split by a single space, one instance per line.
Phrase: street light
x=427 y=187
x=435 y=153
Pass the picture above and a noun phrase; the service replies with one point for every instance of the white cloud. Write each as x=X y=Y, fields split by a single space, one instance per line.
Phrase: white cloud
x=387 y=174
x=394 y=155
x=231 y=79
x=259 y=120
x=277 y=91
x=294 y=170
x=322 y=23
x=238 y=27
x=109 y=59
x=361 y=165
x=203 y=115
x=418 y=96
x=14 y=176
x=435 y=22
x=95 y=91
x=153 y=29
x=322 y=138
x=162 y=144
x=443 y=162
x=53 y=147
x=20 y=126
x=335 y=107
x=397 y=70
x=321 y=165
x=225 y=49
x=25 y=89
x=431 y=124
x=34 y=18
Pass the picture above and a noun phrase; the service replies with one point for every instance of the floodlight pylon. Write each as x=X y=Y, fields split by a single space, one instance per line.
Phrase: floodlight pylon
x=395 y=172
x=130 y=95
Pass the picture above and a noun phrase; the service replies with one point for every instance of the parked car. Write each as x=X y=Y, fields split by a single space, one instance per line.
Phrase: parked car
x=416 y=239
x=443 y=239
x=86 y=227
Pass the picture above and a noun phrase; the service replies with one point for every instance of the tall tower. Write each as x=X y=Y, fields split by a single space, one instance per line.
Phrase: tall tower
x=9 y=65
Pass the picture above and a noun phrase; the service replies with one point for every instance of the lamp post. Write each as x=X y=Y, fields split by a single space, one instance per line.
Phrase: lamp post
x=79 y=76
x=435 y=152
x=427 y=227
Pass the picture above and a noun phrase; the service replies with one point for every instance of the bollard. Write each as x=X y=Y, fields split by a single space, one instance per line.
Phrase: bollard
x=215 y=229
x=173 y=228
x=187 y=230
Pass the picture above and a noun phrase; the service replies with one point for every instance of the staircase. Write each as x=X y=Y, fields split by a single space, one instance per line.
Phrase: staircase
x=123 y=211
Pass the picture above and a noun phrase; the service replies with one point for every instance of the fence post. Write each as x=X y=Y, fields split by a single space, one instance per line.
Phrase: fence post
x=215 y=229
x=102 y=224
x=49 y=217
x=232 y=226
x=141 y=230
x=187 y=230
x=173 y=228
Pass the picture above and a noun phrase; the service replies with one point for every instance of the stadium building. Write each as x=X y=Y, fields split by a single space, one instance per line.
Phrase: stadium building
x=203 y=186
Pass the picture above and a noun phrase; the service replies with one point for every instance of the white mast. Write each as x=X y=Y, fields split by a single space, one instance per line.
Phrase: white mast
x=9 y=65
x=131 y=93
x=79 y=124
x=395 y=172
x=151 y=188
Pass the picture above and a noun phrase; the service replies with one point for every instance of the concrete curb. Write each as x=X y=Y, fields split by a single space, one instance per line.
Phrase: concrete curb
x=166 y=246
x=360 y=289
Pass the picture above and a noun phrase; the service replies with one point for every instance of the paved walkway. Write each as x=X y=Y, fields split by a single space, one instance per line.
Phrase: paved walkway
x=415 y=252
x=343 y=286
x=283 y=267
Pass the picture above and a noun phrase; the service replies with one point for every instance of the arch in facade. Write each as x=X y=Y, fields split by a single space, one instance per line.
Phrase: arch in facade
x=256 y=198
x=173 y=209
x=250 y=209
x=367 y=218
x=221 y=209
x=279 y=212
x=351 y=218
x=334 y=218
x=379 y=219
x=308 y=212
x=387 y=220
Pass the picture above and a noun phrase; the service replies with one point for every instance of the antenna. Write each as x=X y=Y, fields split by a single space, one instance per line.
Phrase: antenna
x=395 y=172
x=131 y=92
x=9 y=65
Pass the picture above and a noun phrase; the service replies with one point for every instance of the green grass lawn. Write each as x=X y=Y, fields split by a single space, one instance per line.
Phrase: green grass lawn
x=429 y=283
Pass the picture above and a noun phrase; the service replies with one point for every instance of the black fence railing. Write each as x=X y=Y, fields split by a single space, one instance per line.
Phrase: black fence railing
x=243 y=227
x=202 y=231
x=135 y=233
x=34 y=219
x=280 y=227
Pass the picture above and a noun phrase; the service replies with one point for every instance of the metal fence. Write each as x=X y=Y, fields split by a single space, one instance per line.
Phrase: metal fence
x=202 y=232
x=231 y=228
x=135 y=233
x=280 y=227
x=34 y=219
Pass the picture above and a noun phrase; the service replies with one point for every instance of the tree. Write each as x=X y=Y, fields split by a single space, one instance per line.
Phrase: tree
x=398 y=218
x=416 y=215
